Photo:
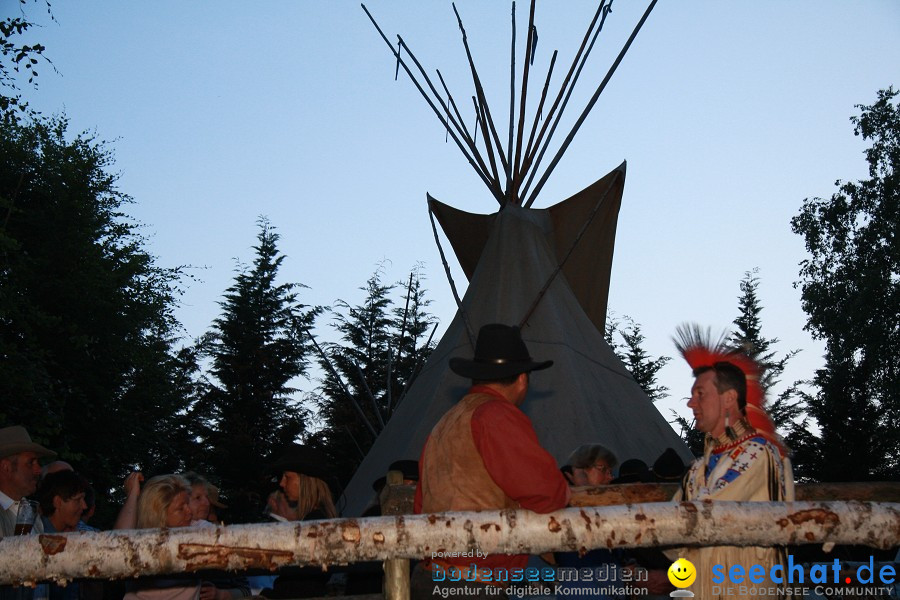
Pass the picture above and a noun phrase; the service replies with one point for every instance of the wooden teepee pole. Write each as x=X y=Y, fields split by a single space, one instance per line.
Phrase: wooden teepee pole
x=510 y=195
x=487 y=181
x=531 y=150
x=517 y=162
x=487 y=121
x=590 y=105
x=455 y=119
x=537 y=116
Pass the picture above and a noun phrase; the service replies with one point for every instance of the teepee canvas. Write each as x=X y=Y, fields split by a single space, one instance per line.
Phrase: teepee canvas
x=587 y=396
x=547 y=270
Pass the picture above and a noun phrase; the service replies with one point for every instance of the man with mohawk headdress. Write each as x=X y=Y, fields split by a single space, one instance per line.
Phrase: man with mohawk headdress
x=744 y=459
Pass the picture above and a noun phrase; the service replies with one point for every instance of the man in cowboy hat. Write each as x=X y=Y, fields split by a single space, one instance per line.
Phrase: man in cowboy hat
x=20 y=472
x=484 y=454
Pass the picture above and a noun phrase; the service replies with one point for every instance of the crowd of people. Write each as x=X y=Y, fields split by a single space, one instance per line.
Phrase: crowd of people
x=483 y=454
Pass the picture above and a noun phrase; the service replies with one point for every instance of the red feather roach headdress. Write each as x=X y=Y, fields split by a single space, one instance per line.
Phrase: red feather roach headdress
x=699 y=350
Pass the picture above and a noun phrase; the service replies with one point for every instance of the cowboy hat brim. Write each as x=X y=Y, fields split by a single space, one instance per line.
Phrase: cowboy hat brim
x=18 y=448
x=494 y=370
x=302 y=459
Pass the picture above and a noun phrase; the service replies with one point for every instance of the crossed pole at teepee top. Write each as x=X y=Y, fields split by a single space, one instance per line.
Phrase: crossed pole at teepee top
x=520 y=181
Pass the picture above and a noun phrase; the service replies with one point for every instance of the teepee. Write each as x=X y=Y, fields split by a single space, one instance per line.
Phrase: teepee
x=546 y=270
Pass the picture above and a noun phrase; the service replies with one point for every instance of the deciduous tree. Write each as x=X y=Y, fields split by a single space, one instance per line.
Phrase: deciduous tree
x=851 y=293
x=18 y=61
x=87 y=329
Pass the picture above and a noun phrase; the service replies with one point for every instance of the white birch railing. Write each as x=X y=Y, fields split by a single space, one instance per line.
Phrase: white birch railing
x=119 y=554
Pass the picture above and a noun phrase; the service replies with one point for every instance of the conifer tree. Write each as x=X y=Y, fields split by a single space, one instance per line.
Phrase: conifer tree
x=382 y=346
x=630 y=350
x=259 y=346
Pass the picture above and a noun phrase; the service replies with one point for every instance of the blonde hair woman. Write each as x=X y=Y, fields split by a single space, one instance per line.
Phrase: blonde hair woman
x=306 y=496
x=164 y=502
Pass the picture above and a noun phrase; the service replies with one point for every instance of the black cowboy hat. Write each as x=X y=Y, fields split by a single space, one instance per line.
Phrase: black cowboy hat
x=499 y=353
x=668 y=467
x=633 y=470
x=302 y=459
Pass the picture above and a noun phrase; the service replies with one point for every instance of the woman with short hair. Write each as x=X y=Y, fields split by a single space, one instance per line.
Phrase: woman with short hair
x=61 y=496
x=592 y=464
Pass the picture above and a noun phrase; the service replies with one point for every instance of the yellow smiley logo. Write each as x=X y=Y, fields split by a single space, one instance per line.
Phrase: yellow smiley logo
x=682 y=573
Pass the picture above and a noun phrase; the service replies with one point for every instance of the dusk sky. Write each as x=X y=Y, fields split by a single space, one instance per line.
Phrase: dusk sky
x=729 y=115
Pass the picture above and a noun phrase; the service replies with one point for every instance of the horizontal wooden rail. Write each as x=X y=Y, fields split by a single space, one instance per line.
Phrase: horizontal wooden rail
x=628 y=493
x=339 y=541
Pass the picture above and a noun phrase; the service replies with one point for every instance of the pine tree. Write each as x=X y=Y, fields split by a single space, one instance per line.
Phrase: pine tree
x=643 y=367
x=382 y=347
x=259 y=346
x=787 y=409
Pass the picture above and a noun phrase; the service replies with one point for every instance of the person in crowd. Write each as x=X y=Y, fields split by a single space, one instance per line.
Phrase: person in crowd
x=199 y=503
x=165 y=502
x=20 y=471
x=215 y=505
x=484 y=454
x=198 y=499
x=304 y=496
x=127 y=517
x=61 y=496
x=668 y=467
x=90 y=495
x=592 y=464
x=743 y=458
x=633 y=470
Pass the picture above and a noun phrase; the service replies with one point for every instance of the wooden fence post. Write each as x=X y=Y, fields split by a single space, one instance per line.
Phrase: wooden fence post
x=396 y=570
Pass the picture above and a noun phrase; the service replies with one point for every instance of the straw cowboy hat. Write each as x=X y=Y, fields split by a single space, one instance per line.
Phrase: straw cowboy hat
x=15 y=440
x=499 y=353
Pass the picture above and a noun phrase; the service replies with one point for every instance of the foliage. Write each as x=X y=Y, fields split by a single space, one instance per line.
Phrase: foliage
x=748 y=335
x=787 y=409
x=851 y=292
x=693 y=438
x=258 y=346
x=86 y=316
x=17 y=59
x=630 y=351
x=383 y=346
